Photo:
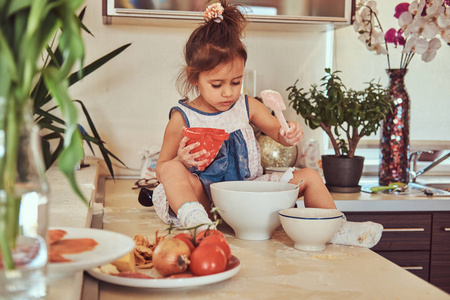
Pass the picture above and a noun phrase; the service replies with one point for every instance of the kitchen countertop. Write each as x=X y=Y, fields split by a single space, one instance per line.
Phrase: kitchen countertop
x=370 y=202
x=269 y=269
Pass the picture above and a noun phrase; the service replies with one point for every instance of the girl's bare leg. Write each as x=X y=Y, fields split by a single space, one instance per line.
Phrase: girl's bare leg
x=313 y=189
x=182 y=186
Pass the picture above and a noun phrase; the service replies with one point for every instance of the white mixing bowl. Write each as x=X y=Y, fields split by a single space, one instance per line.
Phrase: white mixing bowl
x=251 y=207
x=310 y=228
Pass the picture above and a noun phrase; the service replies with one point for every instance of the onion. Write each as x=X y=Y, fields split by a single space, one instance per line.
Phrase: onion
x=171 y=256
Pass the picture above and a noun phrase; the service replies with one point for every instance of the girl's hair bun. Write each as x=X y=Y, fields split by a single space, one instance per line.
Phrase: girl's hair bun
x=214 y=12
x=215 y=42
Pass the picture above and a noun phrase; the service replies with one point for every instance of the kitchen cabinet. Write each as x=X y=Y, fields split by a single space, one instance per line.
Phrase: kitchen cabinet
x=417 y=241
x=440 y=251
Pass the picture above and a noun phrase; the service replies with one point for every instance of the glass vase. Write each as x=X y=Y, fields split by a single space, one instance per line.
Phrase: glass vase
x=24 y=214
x=274 y=154
x=394 y=164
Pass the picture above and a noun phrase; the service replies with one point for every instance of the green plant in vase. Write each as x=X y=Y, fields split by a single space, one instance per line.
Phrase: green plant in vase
x=346 y=115
x=27 y=27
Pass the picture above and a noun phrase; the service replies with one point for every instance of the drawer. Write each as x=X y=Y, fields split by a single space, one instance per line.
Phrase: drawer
x=417 y=262
x=409 y=231
x=440 y=251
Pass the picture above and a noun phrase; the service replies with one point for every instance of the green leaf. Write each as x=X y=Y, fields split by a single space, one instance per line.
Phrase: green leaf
x=49 y=116
x=96 y=135
x=80 y=19
x=74 y=77
x=51 y=157
x=8 y=71
x=73 y=151
x=35 y=16
x=16 y=6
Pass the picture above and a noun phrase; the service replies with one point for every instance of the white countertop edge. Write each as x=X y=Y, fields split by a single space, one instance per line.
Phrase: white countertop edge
x=392 y=205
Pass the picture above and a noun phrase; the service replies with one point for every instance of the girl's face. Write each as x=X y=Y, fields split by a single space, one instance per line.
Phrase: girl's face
x=220 y=87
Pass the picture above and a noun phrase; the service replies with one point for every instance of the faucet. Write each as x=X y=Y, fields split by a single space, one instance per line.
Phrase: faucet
x=413 y=162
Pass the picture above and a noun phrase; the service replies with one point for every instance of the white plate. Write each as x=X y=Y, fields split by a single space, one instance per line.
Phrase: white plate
x=111 y=246
x=233 y=267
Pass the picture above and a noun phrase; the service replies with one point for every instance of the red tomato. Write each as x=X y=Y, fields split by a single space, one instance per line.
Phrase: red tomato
x=219 y=241
x=207 y=260
x=207 y=232
x=187 y=239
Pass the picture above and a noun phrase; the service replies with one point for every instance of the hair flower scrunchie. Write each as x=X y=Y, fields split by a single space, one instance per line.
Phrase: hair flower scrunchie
x=214 y=12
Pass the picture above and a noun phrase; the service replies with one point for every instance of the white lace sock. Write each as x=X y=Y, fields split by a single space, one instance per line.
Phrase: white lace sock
x=192 y=214
x=361 y=234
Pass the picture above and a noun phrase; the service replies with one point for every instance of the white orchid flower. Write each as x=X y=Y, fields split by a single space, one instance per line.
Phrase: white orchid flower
x=374 y=42
x=423 y=27
x=365 y=14
x=357 y=22
x=443 y=20
x=373 y=5
x=433 y=46
x=445 y=35
x=413 y=7
x=429 y=30
x=378 y=36
x=429 y=56
x=416 y=45
x=380 y=49
x=434 y=43
x=435 y=9
x=417 y=7
x=404 y=21
x=364 y=37
x=359 y=4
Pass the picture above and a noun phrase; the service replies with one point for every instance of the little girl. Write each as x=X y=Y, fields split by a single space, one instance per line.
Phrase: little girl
x=215 y=60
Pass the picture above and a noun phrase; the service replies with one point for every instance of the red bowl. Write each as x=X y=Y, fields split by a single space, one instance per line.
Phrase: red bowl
x=210 y=139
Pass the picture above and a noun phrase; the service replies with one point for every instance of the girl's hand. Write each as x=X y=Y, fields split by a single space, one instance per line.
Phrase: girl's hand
x=187 y=158
x=294 y=134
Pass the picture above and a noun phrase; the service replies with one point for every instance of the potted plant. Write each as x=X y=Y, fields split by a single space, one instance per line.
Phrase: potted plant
x=52 y=126
x=27 y=30
x=346 y=116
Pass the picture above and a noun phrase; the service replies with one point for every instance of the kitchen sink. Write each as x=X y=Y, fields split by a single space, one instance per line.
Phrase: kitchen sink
x=428 y=188
x=441 y=186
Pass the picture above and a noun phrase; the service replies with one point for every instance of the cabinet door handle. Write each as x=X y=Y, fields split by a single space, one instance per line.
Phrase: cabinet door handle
x=447 y=229
x=413 y=268
x=404 y=229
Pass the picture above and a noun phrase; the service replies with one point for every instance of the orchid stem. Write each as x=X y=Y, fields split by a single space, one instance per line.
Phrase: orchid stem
x=385 y=42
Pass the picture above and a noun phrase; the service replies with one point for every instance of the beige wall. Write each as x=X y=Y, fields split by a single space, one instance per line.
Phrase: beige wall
x=130 y=97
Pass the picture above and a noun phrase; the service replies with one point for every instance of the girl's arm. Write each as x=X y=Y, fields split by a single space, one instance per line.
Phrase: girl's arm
x=261 y=117
x=172 y=137
x=174 y=145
